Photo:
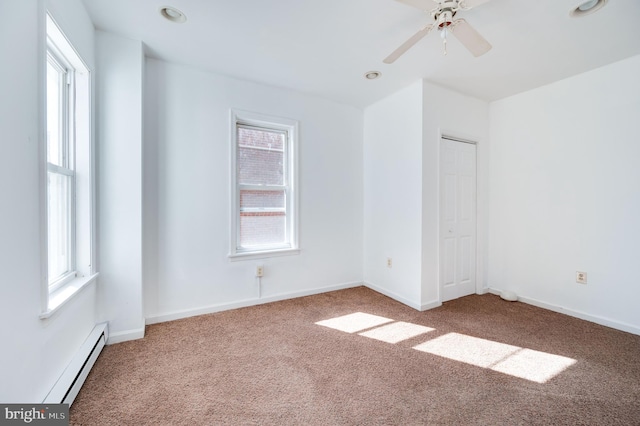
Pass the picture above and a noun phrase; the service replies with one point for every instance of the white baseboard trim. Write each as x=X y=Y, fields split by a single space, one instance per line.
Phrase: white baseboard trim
x=494 y=291
x=123 y=336
x=430 y=305
x=394 y=296
x=618 y=325
x=186 y=313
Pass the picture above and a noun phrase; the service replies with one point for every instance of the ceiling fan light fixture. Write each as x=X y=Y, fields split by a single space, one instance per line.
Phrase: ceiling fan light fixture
x=172 y=14
x=372 y=75
x=586 y=8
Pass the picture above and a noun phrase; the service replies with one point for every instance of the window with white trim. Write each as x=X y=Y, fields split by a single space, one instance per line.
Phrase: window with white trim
x=263 y=185
x=60 y=173
x=69 y=181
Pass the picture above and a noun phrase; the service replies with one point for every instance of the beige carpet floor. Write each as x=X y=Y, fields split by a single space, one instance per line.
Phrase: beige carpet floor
x=355 y=357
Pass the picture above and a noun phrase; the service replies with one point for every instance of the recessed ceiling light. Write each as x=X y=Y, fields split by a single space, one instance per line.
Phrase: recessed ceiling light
x=173 y=14
x=587 y=8
x=372 y=75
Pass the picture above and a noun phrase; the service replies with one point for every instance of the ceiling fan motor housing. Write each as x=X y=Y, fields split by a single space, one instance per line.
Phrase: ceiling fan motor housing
x=445 y=13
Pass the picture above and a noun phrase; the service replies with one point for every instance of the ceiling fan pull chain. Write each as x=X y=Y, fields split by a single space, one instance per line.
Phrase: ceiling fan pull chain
x=444 y=34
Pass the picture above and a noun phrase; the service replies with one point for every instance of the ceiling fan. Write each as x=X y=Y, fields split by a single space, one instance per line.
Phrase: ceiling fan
x=443 y=14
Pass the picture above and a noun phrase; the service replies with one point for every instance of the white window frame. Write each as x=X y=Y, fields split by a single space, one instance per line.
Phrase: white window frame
x=67 y=90
x=290 y=129
x=78 y=164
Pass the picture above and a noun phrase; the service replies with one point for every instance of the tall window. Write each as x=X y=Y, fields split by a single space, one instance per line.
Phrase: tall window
x=264 y=185
x=69 y=180
x=60 y=169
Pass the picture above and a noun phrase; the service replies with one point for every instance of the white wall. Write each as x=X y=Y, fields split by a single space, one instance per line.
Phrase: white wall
x=187 y=188
x=393 y=194
x=120 y=135
x=565 y=194
x=34 y=352
x=401 y=185
x=450 y=113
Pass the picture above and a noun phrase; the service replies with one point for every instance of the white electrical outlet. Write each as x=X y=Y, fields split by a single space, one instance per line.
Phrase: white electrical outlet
x=389 y=262
x=581 y=277
x=259 y=271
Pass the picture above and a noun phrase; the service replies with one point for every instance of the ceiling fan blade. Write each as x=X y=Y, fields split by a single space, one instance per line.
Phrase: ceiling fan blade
x=470 y=4
x=407 y=44
x=470 y=38
x=421 y=4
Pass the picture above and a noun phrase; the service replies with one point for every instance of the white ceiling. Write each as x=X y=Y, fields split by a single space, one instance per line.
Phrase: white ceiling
x=325 y=47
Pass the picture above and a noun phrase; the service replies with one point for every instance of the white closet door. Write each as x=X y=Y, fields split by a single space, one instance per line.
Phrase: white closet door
x=457 y=219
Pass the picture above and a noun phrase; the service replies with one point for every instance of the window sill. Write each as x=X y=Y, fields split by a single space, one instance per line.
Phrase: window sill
x=263 y=254
x=61 y=296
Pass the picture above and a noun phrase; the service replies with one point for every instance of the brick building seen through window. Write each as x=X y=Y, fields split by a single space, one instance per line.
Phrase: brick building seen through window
x=262 y=180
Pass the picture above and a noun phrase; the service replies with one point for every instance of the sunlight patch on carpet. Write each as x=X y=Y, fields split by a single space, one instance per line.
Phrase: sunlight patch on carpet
x=533 y=365
x=471 y=350
x=355 y=322
x=519 y=362
x=515 y=361
x=396 y=332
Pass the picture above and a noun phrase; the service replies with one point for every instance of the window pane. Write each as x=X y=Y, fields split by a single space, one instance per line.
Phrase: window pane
x=54 y=116
x=262 y=228
x=261 y=199
x=260 y=157
x=59 y=212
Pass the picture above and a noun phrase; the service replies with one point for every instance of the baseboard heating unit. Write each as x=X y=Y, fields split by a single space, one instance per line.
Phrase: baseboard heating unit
x=68 y=385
